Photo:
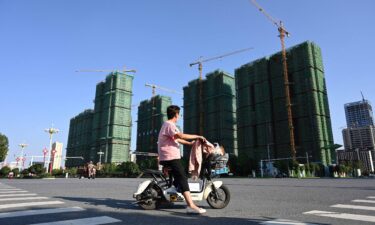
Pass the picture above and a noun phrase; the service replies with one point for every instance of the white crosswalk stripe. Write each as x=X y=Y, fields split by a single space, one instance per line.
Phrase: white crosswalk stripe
x=25 y=204
x=22 y=199
x=85 y=221
x=343 y=206
x=10 y=189
x=363 y=201
x=10 y=192
x=14 y=195
x=25 y=199
x=284 y=222
x=347 y=216
x=39 y=212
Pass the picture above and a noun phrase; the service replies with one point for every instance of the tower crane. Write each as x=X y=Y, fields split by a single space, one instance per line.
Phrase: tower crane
x=123 y=71
x=154 y=86
x=200 y=62
x=282 y=33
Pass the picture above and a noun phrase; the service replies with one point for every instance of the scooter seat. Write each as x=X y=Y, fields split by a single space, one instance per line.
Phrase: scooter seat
x=149 y=171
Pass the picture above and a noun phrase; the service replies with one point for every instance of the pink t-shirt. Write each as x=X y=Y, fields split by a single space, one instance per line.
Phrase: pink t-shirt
x=168 y=147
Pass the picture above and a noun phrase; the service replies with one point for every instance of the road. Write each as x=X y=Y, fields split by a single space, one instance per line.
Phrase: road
x=253 y=201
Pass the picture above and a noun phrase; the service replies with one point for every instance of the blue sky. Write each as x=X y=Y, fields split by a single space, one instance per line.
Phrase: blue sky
x=43 y=43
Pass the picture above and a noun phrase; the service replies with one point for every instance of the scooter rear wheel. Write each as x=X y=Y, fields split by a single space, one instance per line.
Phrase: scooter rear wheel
x=221 y=200
x=152 y=202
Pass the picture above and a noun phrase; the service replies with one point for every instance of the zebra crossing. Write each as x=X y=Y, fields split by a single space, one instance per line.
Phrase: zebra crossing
x=361 y=216
x=13 y=202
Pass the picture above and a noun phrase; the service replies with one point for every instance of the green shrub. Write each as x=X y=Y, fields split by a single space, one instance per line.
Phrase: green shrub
x=4 y=171
x=57 y=172
x=129 y=169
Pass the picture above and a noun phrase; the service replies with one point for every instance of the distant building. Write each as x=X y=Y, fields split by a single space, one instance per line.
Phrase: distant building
x=218 y=102
x=359 y=136
x=79 y=139
x=359 y=114
x=362 y=138
x=151 y=116
x=57 y=146
x=105 y=129
x=262 y=117
x=360 y=131
x=366 y=157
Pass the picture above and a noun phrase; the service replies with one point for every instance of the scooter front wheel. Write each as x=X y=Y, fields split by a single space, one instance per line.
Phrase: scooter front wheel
x=220 y=198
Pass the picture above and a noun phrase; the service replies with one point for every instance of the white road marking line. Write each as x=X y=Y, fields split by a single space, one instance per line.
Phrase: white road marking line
x=371 y=197
x=285 y=222
x=364 y=201
x=15 y=205
x=23 y=198
x=10 y=195
x=85 y=221
x=8 y=192
x=39 y=212
x=11 y=189
x=342 y=206
x=346 y=216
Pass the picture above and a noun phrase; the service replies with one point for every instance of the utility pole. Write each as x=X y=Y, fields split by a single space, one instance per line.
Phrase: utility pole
x=282 y=33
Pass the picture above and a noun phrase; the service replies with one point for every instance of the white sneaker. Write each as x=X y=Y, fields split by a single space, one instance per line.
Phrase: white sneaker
x=195 y=211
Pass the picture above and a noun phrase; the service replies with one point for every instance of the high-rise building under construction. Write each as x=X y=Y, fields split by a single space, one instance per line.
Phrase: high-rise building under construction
x=79 y=138
x=262 y=118
x=110 y=128
x=151 y=115
x=219 y=110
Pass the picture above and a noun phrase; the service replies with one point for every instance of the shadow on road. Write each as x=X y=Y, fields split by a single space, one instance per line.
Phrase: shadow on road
x=130 y=213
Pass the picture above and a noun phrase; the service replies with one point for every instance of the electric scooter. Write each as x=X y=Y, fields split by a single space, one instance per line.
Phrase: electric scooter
x=151 y=193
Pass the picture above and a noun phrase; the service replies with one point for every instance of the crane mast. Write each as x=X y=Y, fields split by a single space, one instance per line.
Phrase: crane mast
x=282 y=33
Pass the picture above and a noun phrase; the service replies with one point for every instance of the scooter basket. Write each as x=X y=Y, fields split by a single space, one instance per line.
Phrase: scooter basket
x=218 y=161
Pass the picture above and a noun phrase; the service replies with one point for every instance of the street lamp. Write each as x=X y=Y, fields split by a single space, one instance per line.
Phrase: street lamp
x=51 y=132
x=53 y=160
x=45 y=151
x=22 y=145
x=100 y=157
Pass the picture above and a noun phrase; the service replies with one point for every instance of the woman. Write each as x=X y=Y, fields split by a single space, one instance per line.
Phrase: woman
x=169 y=153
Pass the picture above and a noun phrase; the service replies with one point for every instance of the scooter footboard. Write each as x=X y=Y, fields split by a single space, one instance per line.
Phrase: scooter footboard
x=208 y=189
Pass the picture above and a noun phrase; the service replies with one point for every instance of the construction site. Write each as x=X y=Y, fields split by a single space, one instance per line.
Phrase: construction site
x=262 y=113
x=273 y=108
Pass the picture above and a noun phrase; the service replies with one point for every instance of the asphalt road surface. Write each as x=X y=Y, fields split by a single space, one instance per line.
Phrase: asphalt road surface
x=253 y=201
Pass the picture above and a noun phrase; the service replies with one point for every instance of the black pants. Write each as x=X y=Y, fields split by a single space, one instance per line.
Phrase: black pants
x=178 y=173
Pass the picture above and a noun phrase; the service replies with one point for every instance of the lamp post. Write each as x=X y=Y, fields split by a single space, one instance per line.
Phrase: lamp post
x=100 y=157
x=45 y=151
x=22 y=145
x=17 y=160
x=53 y=152
x=51 y=132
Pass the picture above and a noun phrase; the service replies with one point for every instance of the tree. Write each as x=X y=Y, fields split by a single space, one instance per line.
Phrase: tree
x=4 y=147
x=149 y=163
x=37 y=169
x=129 y=169
x=4 y=171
